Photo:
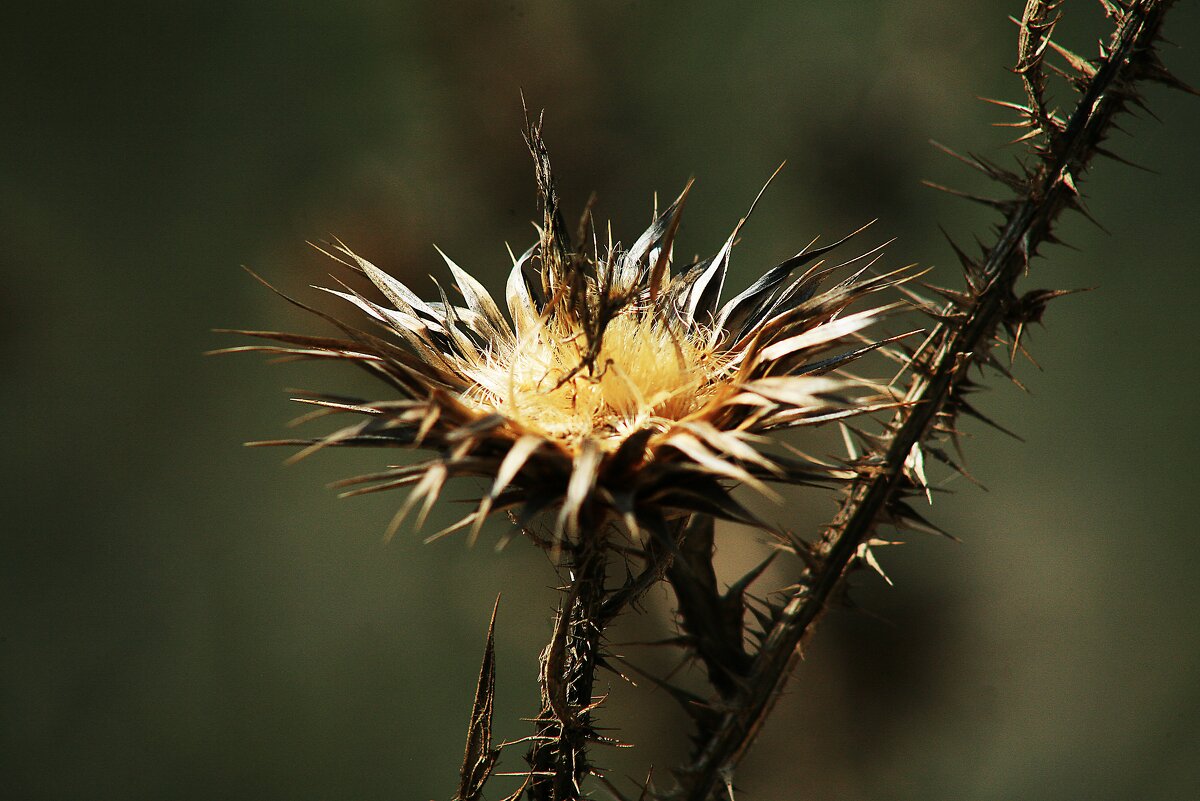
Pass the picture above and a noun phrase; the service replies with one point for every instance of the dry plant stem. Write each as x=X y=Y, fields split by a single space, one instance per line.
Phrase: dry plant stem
x=715 y=626
x=963 y=338
x=558 y=758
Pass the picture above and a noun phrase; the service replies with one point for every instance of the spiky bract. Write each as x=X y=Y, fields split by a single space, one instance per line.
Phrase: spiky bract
x=616 y=386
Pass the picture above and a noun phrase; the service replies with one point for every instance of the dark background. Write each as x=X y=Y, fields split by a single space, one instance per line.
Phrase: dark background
x=182 y=618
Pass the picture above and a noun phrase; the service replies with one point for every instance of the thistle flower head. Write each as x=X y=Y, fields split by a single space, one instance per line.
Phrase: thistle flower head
x=617 y=384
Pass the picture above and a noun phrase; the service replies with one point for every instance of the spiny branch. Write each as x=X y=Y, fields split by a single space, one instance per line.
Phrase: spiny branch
x=964 y=335
x=558 y=762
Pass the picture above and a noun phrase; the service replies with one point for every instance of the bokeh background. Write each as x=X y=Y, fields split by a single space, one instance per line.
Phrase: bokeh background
x=183 y=618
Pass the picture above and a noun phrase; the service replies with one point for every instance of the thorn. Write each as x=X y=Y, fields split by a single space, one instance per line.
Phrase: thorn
x=1000 y=205
x=867 y=555
x=1017 y=107
x=1076 y=202
x=1103 y=151
x=1078 y=63
x=1068 y=181
x=967 y=408
x=727 y=777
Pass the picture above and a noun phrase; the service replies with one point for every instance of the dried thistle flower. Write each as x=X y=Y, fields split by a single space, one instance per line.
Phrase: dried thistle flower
x=616 y=387
x=620 y=389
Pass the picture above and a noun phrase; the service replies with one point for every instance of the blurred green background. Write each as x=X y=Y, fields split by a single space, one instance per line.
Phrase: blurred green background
x=183 y=618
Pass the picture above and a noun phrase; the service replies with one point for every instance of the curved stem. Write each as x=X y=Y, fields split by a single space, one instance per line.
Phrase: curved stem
x=558 y=759
x=968 y=339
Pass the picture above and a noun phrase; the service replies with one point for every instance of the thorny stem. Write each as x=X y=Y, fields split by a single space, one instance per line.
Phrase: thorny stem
x=1028 y=224
x=558 y=759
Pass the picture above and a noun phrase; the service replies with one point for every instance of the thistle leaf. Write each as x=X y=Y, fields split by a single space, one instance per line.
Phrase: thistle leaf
x=479 y=757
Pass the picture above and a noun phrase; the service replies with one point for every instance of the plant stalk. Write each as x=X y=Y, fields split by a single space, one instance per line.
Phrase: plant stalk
x=958 y=344
x=558 y=760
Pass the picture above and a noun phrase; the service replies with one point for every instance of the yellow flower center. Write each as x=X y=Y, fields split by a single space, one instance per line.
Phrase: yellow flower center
x=644 y=375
